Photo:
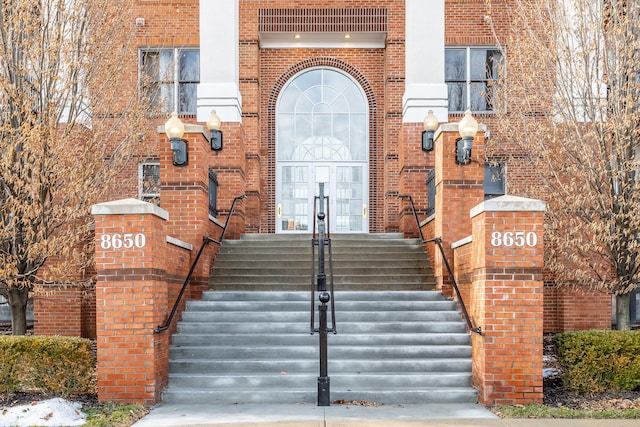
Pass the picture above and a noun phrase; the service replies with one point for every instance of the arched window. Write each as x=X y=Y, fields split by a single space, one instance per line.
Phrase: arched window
x=322 y=115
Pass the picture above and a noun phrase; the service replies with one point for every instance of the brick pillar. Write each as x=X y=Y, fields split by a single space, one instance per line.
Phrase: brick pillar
x=131 y=301
x=184 y=191
x=413 y=178
x=507 y=300
x=230 y=167
x=184 y=194
x=458 y=190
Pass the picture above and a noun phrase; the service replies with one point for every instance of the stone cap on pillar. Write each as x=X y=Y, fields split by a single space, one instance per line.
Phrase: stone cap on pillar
x=128 y=207
x=188 y=128
x=509 y=204
x=453 y=127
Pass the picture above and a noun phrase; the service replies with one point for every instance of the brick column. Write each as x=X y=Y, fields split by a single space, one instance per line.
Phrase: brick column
x=131 y=301
x=230 y=167
x=184 y=193
x=458 y=190
x=413 y=178
x=507 y=300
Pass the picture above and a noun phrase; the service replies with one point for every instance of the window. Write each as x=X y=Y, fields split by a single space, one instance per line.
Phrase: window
x=149 y=182
x=493 y=181
x=431 y=192
x=469 y=74
x=170 y=78
x=213 y=193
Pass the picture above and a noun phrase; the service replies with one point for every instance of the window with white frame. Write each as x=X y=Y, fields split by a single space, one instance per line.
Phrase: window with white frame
x=149 y=182
x=170 y=76
x=470 y=73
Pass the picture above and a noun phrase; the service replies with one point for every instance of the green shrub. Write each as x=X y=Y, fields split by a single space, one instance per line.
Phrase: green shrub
x=597 y=361
x=58 y=366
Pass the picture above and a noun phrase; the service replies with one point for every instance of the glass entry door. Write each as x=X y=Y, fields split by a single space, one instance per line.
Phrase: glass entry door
x=322 y=135
x=344 y=184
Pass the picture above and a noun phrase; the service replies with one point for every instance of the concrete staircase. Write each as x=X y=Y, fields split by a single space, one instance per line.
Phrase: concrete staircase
x=360 y=262
x=248 y=340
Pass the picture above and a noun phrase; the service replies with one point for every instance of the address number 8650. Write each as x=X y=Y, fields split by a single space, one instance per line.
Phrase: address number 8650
x=127 y=241
x=514 y=238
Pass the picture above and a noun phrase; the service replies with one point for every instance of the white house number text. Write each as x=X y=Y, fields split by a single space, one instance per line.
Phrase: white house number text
x=514 y=238
x=127 y=241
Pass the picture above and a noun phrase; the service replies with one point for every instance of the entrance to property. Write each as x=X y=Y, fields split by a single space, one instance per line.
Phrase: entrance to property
x=322 y=135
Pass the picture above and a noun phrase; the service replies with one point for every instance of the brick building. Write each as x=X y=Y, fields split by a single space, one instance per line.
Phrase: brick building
x=310 y=92
x=385 y=64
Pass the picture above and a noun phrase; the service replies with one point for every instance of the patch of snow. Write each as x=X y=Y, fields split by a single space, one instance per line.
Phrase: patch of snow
x=47 y=413
x=550 y=372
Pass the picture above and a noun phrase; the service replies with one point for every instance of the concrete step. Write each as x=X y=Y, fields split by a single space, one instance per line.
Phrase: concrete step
x=302 y=316
x=340 y=295
x=311 y=366
x=271 y=269
x=290 y=381
x=267 y=306
x=369 y=279
x=343 y=352
x=206 y=339
x=451 y=395
x=349 y=327
x=307 y=248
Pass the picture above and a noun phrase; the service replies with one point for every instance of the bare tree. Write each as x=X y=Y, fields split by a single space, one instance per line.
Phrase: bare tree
x=68 y=128
x=569 y=115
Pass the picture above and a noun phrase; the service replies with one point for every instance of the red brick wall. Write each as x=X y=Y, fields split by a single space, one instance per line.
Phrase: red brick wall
x=58 y=310
x=464 y=270
x=89 y=312
x=568 y=309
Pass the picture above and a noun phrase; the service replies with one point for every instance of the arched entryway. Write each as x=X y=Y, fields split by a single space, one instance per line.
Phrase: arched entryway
x=322 y=135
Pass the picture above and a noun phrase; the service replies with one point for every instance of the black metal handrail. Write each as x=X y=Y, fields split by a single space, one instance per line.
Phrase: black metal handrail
x=324 y=381
x=438 y=242
x=231 y=211
x=205 y=241
x=326 y=241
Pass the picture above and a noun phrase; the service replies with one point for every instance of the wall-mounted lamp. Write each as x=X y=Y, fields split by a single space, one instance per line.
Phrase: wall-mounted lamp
x=430 y=125
x=174 y=128
x=467 y=128
x=213 y=124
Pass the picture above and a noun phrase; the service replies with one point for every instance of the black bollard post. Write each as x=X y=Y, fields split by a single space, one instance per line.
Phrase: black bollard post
x=323 y=380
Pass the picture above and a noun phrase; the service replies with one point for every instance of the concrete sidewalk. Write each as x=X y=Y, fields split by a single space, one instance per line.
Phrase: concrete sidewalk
x=308 y=415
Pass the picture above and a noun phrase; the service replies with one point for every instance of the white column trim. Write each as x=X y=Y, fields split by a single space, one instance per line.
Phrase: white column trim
x=219 y=87
x=425 y=88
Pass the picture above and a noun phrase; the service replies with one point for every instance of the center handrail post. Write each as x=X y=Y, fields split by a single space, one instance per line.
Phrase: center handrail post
x=324 y=297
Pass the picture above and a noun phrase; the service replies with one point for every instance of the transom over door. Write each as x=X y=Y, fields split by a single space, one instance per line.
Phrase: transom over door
x=322 y=136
